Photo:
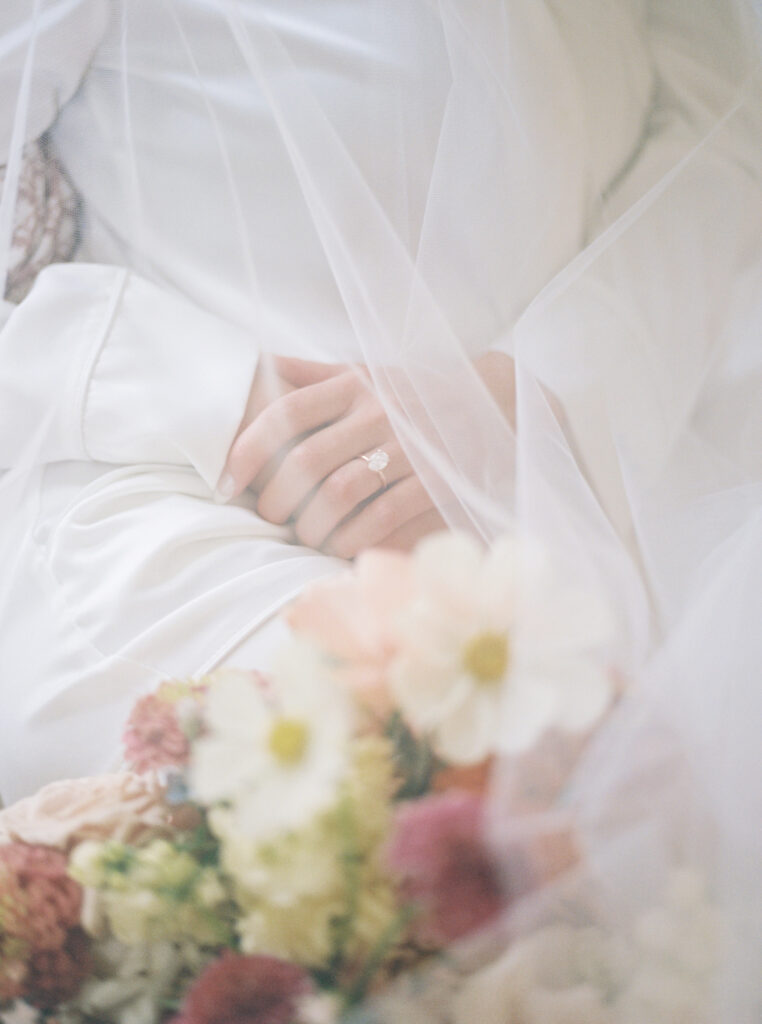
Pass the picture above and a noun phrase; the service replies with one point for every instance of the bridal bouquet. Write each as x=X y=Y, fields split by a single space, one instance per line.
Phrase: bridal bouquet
x=282 y=846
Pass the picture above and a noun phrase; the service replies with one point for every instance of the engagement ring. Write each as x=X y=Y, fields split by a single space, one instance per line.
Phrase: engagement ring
x=377 y=461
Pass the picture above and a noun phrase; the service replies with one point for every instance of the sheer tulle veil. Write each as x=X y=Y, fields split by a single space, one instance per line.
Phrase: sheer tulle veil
x=409 y=183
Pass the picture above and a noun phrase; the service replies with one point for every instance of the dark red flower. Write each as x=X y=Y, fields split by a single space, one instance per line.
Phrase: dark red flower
x=56 y=975
x=246 y=990
x=445 y=867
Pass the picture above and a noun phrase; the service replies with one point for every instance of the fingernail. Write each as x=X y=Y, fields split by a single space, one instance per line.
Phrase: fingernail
x=225 y=489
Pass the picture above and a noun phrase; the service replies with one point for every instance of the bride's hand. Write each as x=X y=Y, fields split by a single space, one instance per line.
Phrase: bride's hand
x=301 y=446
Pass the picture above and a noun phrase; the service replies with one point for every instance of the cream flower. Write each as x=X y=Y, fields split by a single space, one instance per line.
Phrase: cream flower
x=494 y=651
x=132 y=983
x=676 y=947
x=122 y=806
x=559 y=975
x=275 y=753
x=658 y=970
x=292 y=889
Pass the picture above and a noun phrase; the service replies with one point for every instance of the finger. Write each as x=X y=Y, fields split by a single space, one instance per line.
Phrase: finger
x=379 y=519
x=316 y=457
x=268 y=386
x=285 y=421
x=341 y=494
x=300 y=373
x=414 y=530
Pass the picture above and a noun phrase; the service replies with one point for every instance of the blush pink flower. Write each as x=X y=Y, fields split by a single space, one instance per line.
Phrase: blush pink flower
x=445 y=868
x=122 y=806
x=246 y=990
x=153 y=737
x=351 y=619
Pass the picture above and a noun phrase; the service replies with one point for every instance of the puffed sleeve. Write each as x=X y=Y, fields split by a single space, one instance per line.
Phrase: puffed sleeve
x=59 y=38
x=121 y=371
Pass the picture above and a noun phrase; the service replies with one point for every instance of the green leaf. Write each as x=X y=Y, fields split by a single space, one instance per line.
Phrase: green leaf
x=414 y=759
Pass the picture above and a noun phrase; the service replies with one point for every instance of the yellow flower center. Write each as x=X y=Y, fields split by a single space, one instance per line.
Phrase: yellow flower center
x=288 y=740
x=486 y=656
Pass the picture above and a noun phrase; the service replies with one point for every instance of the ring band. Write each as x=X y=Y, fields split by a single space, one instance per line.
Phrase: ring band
x=377 y=461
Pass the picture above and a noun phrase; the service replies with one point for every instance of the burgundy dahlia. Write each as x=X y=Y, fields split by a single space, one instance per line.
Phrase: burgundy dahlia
x=57 y=975
x=246 y=990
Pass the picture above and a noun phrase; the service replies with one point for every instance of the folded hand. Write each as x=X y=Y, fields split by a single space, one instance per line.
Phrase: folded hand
x=301 y=445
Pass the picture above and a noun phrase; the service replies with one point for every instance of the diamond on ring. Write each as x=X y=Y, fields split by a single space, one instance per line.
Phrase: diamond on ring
x=377 y=461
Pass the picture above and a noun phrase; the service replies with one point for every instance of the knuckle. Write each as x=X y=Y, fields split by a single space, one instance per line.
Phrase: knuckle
x=348 y=385
x=342 y=547
x=286 y=412
x=303 y=457
x=242 y=451
x=267 y=508
x=385 y=515
x=375 y=417
x=341 y=487
x=306 y=534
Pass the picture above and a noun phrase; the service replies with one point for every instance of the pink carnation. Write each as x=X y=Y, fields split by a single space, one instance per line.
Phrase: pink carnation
x=445 y=867
x=246 y=990
x=153 y=737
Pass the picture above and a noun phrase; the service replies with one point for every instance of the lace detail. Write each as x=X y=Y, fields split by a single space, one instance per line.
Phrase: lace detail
x=47 y=222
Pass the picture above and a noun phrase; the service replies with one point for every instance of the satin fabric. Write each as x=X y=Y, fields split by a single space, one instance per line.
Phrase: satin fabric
x=123 y=569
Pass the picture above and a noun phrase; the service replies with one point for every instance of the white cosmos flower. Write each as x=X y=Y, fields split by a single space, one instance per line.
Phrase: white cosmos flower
x=275 y=753
x=494 y=650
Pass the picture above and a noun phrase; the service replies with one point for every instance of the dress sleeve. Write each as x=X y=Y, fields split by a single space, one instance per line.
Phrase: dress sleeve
x=65 y=36
x=100 y=365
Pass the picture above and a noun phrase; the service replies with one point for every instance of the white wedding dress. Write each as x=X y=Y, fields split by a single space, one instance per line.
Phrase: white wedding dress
x=405 y=184
x=124 y=570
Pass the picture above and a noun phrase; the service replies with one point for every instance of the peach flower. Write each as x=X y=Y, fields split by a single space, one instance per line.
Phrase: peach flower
x=122 y=806
x=472 y=778
x=351 y=619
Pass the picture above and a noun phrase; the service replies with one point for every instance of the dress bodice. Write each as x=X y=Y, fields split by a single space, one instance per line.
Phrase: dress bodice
x=192 y=173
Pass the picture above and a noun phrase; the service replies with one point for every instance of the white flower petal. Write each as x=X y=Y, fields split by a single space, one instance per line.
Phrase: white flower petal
x=421 y=689
x=468 y=733
x=288 y=799
x=220 y=768
x=497 y=583
x=447 y=566
x=234 y=760
x=584 y=692
x=429 y=633
x=527 y=710
x=235 y=705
